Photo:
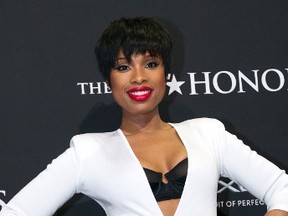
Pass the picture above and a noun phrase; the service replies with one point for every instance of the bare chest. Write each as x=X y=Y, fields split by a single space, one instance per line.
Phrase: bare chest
x=159 y=151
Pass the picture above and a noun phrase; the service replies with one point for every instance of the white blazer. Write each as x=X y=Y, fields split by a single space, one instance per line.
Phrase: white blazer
x=104 y=167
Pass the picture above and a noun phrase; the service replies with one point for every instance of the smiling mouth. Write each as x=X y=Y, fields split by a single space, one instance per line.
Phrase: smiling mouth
x=140 y=94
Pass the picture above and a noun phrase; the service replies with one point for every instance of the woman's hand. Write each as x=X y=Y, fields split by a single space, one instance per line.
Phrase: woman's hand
x=276 y=213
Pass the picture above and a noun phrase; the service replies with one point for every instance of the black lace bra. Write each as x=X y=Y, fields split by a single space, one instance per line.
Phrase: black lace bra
x=176 y=180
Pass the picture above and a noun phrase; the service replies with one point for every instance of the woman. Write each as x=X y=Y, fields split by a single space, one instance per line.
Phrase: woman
x=147 y=166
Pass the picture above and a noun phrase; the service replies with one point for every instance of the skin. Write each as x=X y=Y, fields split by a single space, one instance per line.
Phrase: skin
x=154 y=142
x=276 y=213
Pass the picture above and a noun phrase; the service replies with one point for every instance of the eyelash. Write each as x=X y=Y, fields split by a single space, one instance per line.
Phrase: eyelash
x=122 y=68
x=151 y=64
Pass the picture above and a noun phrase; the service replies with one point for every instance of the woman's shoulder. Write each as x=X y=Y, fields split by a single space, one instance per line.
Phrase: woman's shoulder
x=93 y=137
x=203 y=122
x=90 y=142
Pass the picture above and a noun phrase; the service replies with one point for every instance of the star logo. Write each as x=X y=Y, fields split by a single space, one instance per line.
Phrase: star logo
x=174 y=85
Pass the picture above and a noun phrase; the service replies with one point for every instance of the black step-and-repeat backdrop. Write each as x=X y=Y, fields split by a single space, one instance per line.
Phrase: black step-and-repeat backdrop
x=230 y=62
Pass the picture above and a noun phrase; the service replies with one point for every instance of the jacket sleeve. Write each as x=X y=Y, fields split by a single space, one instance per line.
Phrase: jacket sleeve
x=259 y=176
x=49 y=190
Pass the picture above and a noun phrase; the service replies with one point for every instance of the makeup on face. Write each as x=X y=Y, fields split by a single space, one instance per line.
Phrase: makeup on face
x=140 y=94
x=147 y=60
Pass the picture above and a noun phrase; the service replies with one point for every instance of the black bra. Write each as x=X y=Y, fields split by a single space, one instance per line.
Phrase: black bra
x=176 y=180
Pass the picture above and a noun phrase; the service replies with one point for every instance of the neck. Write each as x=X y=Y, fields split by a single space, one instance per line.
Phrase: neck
x=136 y=123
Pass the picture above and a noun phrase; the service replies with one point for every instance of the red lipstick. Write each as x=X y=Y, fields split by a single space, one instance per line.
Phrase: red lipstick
x=140 y=94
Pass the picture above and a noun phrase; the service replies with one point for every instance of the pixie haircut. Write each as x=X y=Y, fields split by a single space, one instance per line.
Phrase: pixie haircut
x=133 y=36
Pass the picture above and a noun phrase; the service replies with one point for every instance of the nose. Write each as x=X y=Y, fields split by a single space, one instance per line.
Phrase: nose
x=138 y=76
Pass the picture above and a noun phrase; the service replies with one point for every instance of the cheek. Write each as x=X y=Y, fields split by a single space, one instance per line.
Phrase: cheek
x=117 y=89
x=114 y=83
x=161 y=82
x=117 y=96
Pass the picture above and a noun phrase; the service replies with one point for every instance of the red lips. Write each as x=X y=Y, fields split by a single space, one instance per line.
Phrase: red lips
x=140 y=94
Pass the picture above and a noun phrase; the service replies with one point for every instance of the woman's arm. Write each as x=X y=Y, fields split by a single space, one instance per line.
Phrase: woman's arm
x=49 y=190
x=259 y=176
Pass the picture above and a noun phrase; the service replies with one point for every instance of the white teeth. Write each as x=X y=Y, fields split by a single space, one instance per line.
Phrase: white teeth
x=139 y=92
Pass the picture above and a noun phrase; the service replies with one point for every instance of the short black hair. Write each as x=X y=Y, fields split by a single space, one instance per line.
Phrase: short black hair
x=133 y=36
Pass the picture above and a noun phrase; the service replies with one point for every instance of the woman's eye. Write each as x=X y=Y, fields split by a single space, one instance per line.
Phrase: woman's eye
x=122 y=68
x=152 y=64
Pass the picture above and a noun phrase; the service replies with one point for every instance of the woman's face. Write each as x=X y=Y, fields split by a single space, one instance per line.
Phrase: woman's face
x=138 y=86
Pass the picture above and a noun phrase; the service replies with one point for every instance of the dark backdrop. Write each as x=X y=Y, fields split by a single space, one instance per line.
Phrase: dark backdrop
x=50 y=88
